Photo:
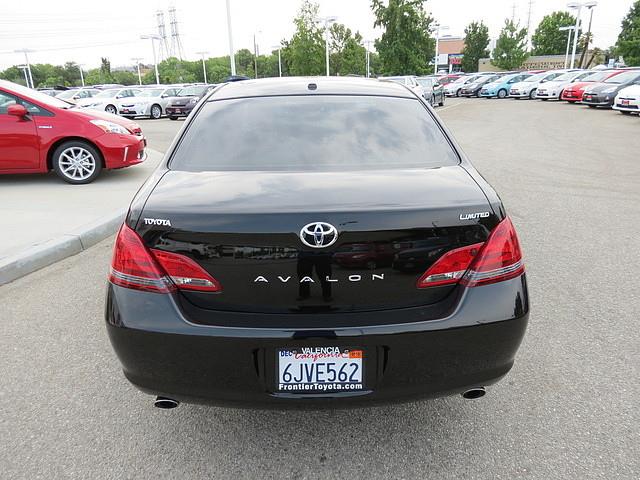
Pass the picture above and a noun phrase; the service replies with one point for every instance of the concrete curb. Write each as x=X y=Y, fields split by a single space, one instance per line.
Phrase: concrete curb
x=52 y=251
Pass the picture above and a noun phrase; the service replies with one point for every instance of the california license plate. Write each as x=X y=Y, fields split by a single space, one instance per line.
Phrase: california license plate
x=625 y=102
x=320 y=369
x=588 y=97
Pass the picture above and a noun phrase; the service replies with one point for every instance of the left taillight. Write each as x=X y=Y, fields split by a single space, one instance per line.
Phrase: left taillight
x=496 y=260
x=137 y=267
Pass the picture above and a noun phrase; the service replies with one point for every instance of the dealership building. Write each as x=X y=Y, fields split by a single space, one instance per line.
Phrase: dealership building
x=450 y=53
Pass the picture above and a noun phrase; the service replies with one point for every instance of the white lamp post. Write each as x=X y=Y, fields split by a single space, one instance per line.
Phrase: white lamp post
x=153 y=37
x=327 y=21
x=204 y=67
x=26 y=52
x=566 y=55
x=367 y=45
x=138 y=60
x=578 y=6
x=438 y=28
x=232 y=57
x=278 y=47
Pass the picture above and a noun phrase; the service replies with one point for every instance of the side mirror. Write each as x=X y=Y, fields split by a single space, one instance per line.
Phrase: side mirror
x=436 y=85
x=17 y=110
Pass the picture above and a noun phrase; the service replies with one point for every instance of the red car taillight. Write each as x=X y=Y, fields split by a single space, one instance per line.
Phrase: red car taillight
x=498 y=259
x=137 y=267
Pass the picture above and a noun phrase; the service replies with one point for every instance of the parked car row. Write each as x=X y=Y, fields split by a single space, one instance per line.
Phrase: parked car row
x=617 y=88
x=427 y=87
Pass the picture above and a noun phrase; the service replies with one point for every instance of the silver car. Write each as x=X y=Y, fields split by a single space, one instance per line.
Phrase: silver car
x=408 y=81
x=150 y=102
x=77 y=94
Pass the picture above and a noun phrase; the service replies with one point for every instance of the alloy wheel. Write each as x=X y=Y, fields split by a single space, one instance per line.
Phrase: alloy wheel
x=77 y=163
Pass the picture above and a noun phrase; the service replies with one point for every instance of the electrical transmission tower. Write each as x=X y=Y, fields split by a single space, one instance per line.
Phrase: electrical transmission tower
x=529 y=24
x=162 y=32
x=176 y=45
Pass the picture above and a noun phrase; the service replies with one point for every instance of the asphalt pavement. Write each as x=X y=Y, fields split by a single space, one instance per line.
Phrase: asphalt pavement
x=569 y=177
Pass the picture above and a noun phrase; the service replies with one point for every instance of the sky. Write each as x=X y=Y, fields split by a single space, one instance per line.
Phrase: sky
x=83 y=31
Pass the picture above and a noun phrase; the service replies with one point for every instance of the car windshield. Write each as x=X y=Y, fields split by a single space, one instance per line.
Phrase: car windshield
x=425 y=82
x=150 y=92
x=193 y=91
x=39 y=96
x=107 y=93
x=313 y=133
x=596 y=77
x=624 y=77
x=536 y=78
x=566 y=77
x=66 y=94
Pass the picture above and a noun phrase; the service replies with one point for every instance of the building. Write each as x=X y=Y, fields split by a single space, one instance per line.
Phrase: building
x=536 y=62
x=450 y=53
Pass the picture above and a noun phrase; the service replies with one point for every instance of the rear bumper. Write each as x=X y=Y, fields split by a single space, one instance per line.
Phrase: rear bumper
x=632 y=106
x=183 y=111
x=162 y=353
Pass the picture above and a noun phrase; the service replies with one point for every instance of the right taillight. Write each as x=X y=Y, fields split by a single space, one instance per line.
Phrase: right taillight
x=499 y=259
x=137 y=267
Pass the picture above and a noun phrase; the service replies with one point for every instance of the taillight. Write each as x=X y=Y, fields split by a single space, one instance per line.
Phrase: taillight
x=498 y=259
x=135 y=266
x=450 y=267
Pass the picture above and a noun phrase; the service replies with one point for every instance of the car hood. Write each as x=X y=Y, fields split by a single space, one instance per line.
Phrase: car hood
x=100 y=115
x=631 y=90
x=600 y=86
x=90 y=101
x=129 y=100
x=579 y=85
x=554 y=85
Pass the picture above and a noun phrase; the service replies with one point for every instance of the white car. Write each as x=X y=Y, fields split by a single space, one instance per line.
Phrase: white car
x=407 y=80
x=453 y=89
x=554 y=88
x=106 y=100
x=529 y=86
x=150 y=102
x=628 y=100
x=77 y=94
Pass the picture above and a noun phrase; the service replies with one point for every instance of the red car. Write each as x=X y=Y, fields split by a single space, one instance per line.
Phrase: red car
x=39 y=133
x=573 y=92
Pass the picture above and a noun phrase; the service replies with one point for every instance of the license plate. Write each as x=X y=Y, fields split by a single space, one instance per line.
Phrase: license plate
x=588 y=97
x=320 y=369
x=625 y=102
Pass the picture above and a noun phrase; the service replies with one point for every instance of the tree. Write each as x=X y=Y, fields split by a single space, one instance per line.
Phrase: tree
x=628 y=45
x=348 y=56
x=304 y=53
x=406 y=46
x=511 y=46
x=476 y=41
x=548 y=39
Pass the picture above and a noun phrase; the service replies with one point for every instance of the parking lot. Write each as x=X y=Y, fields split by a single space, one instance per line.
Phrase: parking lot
x=569 y=177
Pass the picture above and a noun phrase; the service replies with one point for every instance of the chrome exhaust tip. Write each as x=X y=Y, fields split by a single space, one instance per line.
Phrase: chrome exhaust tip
x=165 y=403
x=474 y=393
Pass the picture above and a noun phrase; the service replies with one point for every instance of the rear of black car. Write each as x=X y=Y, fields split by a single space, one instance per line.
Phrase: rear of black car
x=185 y=101
x=315 y=242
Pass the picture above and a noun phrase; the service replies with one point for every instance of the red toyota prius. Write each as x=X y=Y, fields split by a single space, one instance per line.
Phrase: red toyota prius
x=39 y=133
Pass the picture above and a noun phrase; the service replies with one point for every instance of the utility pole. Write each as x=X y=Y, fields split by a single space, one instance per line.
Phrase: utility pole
x=255 y=53
x=204 y=68
x=588 y=37
x=529 y=24
x=176 y=44
x=26 y=52
x=24 y=71
x=162 y=32
x=232 y=58
x=138 y=60
x=81 y=74
x=435 y=62
x=578 y=6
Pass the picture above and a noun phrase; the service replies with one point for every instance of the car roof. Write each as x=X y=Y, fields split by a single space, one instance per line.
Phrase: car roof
x=310 y=86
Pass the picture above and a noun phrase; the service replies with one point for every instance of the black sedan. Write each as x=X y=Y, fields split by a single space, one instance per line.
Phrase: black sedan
x=183 y=103
x=604 y=93
x=473 y=89
x=268 y=181
x=433 y=90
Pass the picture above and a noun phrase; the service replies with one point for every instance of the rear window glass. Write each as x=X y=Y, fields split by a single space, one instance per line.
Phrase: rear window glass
x=313 y=133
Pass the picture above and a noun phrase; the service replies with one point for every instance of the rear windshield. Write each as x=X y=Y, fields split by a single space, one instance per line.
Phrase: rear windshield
x=318 y=133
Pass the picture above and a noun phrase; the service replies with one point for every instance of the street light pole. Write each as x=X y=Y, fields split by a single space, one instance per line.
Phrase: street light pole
x=81 y=74
x=204 y=68
x=232 y=58
x=153 y=38
x=26 y=51
x=278 y=47
x=137 y=60
x=24 y=71
x=588 y=37
x=327 y=21
x=566 y=55
x=578 y=6
x=367 y=44
x=438 y=28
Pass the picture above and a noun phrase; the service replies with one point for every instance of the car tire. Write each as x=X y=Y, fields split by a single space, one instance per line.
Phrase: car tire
x=77 y=162
x=591 y=106
x=544 y=99
x=532 y=94
x=173 y=118
x=458 y=93
x=111 y=109
x=155 y=112
x=624 y=112
x=502 y=93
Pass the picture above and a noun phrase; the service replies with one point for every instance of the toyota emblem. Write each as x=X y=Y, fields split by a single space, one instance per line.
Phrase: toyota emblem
x=318 y=234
